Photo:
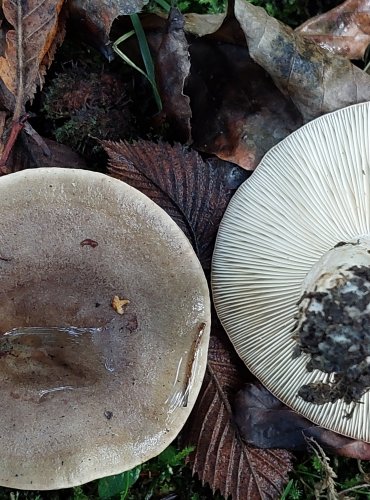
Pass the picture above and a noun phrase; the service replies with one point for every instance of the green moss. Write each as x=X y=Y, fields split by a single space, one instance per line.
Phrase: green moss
x=82 y=106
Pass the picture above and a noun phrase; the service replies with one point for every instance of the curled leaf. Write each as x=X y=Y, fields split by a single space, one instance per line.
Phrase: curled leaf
x=316 y=81
x=344 y=30
x=265 y=422
x=172 y=69
x=95 y=17
x=203 y=24
x=238 y=113
x=28 y=154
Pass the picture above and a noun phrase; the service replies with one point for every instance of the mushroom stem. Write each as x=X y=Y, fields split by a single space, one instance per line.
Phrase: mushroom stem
x=333 y=323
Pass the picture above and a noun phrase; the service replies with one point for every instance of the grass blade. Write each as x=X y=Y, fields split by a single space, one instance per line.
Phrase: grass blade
x=165 y=5
x=135 y=67
x=147 y=57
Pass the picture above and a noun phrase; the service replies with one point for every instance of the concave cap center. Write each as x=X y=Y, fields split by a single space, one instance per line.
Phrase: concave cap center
x=78 y=407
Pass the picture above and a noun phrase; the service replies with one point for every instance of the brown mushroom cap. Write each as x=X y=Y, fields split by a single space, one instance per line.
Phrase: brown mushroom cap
x=283 y=230
x=81 y=404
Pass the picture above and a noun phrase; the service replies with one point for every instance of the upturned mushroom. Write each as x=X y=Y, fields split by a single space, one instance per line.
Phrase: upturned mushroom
x=291 y=271
x=102 y=301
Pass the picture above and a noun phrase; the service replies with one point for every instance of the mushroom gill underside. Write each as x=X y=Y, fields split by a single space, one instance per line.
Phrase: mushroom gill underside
x=333 y=329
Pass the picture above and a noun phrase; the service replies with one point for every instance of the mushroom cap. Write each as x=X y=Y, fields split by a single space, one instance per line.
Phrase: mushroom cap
x=87 y=392
x=309 y=193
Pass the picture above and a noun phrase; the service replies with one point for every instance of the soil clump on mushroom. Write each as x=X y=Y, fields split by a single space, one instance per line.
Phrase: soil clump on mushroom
x=335 y=335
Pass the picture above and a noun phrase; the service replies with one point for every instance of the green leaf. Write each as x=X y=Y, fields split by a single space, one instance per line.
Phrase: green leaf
x=119 y=484
x=165 y=5
x=316 y=463
x=173 y=458
x=145 y=54
x=147 y=57
x=78 y=494
x=291 y=491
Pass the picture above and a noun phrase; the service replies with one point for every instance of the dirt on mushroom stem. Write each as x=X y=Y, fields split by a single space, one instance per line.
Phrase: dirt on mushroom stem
x=333 y=325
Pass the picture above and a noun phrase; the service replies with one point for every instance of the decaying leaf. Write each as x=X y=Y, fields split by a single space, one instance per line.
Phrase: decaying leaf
x=317 y=82
x=197 y=24
x=221 y=458
x=28 y=154
x=2 y=128
x=172 y=65
x=238 y=113
x=344 y=30
x=265 y=422
x=95 y=17
x=203 y=24
x=192 y=192
x=37 y=30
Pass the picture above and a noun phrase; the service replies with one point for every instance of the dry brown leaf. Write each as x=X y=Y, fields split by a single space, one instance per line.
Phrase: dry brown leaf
x=37 y=30
x=197 y=24
x=316 y=81
x=194 y=193
x=3 y=116
x=172 y=66
x=344 y=30
x=221 y=458
x=96 y=16
x=28 y=154
x=203 y=24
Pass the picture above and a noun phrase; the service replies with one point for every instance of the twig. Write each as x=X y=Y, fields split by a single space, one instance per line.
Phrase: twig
x=18 y=121
x=37 y=138
x=16 y=128
x=359 y=465
x=341 y=494
x=19 y=103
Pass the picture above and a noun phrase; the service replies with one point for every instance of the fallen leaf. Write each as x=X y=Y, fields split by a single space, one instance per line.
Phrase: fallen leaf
x=3 y=116
x=191 y=191
x=317 y=82
x=7 y=100
x=203 y=24
x=95 y=18
x=238 y=113
x=265 y=422
x=28 y=154
x=195 y=24
x=221 y=458
x=344 y=30
x=172 y=67
x=37 y=30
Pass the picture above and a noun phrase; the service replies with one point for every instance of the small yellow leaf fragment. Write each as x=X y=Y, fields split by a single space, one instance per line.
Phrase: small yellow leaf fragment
x=119 y=304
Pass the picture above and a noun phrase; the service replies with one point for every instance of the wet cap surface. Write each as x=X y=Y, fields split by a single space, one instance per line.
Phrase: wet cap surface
x=113 y=391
